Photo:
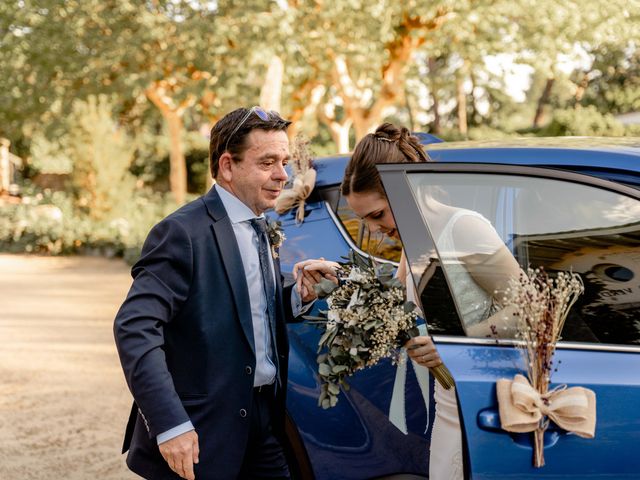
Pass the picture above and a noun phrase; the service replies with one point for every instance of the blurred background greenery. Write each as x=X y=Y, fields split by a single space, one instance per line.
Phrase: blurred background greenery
x=106 y=104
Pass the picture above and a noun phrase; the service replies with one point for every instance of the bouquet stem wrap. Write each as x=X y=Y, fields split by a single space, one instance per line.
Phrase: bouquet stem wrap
x=397 y=411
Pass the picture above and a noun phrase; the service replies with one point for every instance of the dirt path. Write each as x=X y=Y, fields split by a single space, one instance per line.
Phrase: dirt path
x=63 y=399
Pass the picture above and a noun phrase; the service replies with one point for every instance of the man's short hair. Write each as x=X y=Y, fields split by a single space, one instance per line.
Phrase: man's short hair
x=226 y=136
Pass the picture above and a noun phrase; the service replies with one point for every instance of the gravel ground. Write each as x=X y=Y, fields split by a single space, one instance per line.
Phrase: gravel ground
x=63 y=399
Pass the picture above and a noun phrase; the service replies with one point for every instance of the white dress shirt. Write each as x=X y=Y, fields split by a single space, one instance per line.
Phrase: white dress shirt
x=248 y=243
x=247 y=238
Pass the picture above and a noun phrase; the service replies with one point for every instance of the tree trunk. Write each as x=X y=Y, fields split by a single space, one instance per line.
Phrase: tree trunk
x=407 y=104
x=582 y=87
x=476 y=117
x=461 y=99
x=271 y=92
x=304 y=100
x=340 y=135
x=5 y=166
x=364 y=124
x=178 y=167
x=411 y=33
x=160 y=96
x=339 y=130
x=434 y=96
x=542 y=101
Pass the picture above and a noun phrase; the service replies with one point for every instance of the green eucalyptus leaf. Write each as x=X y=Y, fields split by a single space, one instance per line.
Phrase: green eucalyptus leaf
x=315 y=319
x=324 y=287
x=324 y=370
x=409 y=307
x=325 y=337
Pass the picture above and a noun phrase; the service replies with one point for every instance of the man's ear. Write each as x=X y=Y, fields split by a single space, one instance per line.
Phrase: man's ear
x=224 y=167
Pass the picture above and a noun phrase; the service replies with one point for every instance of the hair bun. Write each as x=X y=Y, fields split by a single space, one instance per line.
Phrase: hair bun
x=387 y=132
x=405 y=134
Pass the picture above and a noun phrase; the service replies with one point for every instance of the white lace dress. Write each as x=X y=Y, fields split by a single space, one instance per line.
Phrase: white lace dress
x=445 y=455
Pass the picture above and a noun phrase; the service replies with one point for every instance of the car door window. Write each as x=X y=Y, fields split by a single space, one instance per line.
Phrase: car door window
x=378 y=245
x=484 y=225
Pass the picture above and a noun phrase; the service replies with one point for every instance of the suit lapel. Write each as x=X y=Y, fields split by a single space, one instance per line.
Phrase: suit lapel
x=230 y=254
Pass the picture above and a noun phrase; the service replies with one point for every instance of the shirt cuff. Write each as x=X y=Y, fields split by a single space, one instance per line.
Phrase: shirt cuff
x=174 y=432
x=297 y=307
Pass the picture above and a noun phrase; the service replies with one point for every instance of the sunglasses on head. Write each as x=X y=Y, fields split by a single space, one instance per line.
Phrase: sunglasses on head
x=262 y=114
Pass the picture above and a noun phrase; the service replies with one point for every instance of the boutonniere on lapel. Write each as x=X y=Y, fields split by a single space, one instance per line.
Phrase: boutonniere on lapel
x=276 y=236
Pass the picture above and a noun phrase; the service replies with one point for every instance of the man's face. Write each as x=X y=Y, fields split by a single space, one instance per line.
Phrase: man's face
x=259 y=177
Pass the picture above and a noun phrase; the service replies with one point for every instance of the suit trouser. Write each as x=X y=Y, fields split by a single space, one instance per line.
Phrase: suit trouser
x=264 y=457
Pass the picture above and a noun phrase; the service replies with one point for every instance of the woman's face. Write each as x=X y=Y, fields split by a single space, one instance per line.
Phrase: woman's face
x=373 y=208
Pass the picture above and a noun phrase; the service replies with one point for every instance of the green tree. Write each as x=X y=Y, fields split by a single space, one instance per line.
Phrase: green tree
x=101 y=153
x=172 y=53
x=612 y=83
x=553 y=33
x=582 y=121
x=359 y=52
x=457 y=56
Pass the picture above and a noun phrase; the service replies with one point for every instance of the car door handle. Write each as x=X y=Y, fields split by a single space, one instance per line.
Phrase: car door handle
x=489 y=419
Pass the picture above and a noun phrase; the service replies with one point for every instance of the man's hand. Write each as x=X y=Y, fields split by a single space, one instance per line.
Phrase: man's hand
x=309 y=273
x=181 y=453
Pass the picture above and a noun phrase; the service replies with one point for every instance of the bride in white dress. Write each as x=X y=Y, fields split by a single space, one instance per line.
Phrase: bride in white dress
x=477 y=310
x=471 y=251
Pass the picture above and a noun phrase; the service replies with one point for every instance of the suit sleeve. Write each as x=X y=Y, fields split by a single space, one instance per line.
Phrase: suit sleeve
x=288 y=307
x=161 y=281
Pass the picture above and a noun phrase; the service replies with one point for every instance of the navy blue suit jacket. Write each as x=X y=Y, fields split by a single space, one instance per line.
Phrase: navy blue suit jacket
x=185 y=339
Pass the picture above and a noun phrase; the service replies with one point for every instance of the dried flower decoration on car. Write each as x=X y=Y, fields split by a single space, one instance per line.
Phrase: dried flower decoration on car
x=542 y=304
x=304 y=180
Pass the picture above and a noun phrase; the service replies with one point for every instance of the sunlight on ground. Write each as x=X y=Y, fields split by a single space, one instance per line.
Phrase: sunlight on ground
x=63 y=399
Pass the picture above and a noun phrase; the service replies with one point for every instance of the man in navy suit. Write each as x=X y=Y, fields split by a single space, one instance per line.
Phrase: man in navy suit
x=201 y=335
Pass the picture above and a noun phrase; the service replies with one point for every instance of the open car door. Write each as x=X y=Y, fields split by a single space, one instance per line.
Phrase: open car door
x=453 y=219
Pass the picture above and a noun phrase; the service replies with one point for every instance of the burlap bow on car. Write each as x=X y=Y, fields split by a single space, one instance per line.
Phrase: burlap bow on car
x=522 y=407
x=302 y=187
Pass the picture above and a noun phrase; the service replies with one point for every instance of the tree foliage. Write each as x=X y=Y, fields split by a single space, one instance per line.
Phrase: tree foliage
x=171 y=67
x=101 y=154
x=612 y=83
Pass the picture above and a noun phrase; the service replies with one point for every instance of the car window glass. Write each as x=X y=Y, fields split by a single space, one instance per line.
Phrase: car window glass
x=486 y=226
x=377 y=244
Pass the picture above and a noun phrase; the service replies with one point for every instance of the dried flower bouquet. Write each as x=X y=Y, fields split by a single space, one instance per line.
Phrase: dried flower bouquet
x=368 y=319
x=541 y=306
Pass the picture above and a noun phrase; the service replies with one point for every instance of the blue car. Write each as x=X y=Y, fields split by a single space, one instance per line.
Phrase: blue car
x=562 y=204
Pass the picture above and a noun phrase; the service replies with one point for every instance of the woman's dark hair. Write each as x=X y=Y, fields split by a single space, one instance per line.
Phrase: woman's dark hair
x=388 y=144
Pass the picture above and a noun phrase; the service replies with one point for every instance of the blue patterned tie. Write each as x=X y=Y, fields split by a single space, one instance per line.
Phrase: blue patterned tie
x=264 y=251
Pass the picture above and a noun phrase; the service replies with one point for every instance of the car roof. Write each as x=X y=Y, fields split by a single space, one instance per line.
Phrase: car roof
x=622 y=154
